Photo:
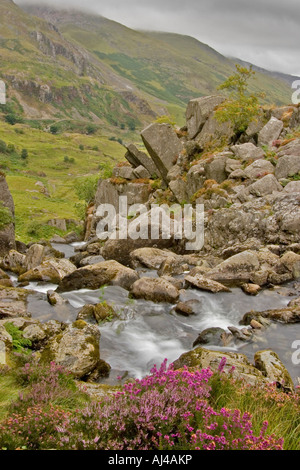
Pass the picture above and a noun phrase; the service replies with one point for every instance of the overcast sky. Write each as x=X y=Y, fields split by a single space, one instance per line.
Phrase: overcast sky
x=264 y=32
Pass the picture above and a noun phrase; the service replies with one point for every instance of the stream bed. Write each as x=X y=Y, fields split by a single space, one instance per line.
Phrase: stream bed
x=146 y=333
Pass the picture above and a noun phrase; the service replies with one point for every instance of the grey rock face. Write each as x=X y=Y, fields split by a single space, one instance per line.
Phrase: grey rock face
x=163 y=146
x=137 y=158
x=270 y=132
x=7 y=235
x=266 y=185
x=288 y=165
x=198 y=111
x=248 y=151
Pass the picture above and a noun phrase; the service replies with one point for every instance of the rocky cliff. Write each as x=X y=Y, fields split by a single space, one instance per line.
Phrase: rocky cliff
x=7 y=235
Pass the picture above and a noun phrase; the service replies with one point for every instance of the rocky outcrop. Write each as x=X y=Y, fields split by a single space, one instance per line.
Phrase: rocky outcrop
x=163 y=146
x=198 y=111
x=7 y=233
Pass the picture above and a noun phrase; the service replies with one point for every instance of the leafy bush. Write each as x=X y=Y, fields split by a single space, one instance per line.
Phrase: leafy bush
x=20 y=344
x=241 y=108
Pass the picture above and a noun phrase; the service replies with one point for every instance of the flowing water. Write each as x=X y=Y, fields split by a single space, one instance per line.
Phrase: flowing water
x=146 y=333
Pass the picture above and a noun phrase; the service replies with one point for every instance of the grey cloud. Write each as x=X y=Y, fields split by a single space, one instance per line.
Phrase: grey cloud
x=265 y=32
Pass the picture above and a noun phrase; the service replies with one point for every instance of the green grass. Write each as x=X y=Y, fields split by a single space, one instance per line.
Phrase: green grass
x=9 y=391
x=46 y=164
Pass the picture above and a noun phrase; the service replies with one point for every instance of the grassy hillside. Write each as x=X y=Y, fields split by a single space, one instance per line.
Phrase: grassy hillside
x=57 y=161
x=99 y=70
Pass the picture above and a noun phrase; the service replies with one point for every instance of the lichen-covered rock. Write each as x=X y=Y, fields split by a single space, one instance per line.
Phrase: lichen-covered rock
x=34 y=256
x=282 y=315
x=51 y=270
x=270 y=132
x=13 y=302
x=270 y=365
x=100 y=313
x=198 y=111
x=203 y=283
x=200 y=358
x=137 y=159
x=14 y=261
x=259 y=168
x=266 y=185
x=236 y=268
x=213 y=336
x=157 y=290
x=77 y=349
x=150 y=257
x=288 y=165
x=163 y=146
x=97 y=275
x=248 y=151
x=55 y=299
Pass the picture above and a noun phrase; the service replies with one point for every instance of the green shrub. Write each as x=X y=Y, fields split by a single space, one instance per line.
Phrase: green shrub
x=20 y=344
x=241 y=108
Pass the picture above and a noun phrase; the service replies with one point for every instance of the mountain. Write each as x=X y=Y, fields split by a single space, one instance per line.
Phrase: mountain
x=289 y=79
x=62 y=64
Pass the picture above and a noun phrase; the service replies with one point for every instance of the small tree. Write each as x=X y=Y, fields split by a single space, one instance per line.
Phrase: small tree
x=54 y=129
x=24 y=154
x=240 y=108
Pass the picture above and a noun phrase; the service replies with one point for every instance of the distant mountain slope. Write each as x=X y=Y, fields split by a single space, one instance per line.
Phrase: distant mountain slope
x=69 y=64
x=289 y=79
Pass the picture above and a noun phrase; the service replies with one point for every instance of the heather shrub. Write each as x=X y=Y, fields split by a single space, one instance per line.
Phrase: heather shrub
x=46 y=385
x=169 y=409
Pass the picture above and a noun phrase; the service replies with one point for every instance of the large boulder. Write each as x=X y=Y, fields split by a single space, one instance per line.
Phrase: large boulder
x=288 y=165
x=151 y=258
x=259 y=168
x=14 y=261
x=213 y=336
x=97 y=275
x=203 y=283
x=270 y=132
x=270 y=365
x=198 y=111
x=13 y=302
x=248 y=151
x=235 y=269
x=215 y=133
x=163 y=145
x=109 y=193
x=287 y=315
x=290 y=148
x=157 y=290
x=236 y=363
x=292 y=187
x=7 y=234
x=137 y=158
x=266 y=185
x=51 y=270
x=34 y=256
x=77 y=349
